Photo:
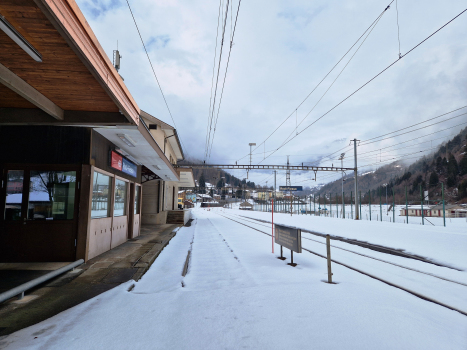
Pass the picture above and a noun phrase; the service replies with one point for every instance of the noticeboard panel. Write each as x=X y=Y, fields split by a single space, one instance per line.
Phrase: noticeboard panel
x=289 y=237
x=290 y=188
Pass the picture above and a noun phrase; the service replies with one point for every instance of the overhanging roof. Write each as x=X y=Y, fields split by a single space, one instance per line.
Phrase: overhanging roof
x=169 y=131
x=186 y=177
x=145 y=150
x=75 y=74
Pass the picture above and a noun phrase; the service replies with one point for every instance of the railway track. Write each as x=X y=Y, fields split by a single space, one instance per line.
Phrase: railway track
x=372 y=246
x=262 y=223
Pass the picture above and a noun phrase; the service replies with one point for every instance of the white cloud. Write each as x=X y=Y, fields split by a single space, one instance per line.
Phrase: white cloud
x=282 y=49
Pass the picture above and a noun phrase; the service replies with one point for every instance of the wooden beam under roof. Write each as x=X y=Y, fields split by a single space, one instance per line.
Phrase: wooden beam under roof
x=18 y=85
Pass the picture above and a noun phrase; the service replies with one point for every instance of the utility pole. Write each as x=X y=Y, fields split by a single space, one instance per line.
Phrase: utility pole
x=342 y=166
x=357 y=214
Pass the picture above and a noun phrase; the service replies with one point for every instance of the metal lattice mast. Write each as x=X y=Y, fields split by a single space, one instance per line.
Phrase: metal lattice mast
x=287 y=181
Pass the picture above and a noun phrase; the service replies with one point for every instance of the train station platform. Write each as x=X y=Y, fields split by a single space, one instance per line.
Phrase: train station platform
x=128 y=261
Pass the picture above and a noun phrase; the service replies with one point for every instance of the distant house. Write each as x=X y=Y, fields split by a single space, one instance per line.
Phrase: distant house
x=451 y=211
x=246 y=206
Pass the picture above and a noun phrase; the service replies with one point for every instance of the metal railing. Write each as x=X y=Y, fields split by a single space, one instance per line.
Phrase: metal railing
x=19 y=291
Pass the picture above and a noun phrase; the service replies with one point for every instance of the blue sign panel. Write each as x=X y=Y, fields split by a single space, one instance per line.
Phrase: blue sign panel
x=129 y=168
x=290 y=188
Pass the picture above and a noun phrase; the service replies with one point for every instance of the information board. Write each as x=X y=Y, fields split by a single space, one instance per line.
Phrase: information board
x=116 y=161
x=129 y=168
x=290 y=188
x=289 y=237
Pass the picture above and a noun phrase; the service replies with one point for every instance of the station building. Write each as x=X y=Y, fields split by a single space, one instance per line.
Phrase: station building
x=81 y=166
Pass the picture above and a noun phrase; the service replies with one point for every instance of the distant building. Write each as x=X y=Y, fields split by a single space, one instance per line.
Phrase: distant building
x=246 y=206
x=451 y=211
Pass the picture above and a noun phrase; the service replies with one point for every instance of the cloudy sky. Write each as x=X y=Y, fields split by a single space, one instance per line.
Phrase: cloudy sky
x=281 y=51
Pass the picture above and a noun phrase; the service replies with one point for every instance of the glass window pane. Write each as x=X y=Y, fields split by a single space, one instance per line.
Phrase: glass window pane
x=101 y=191
x=120 y=198
x=14 y=194
x=52 y=195
x=137 y=194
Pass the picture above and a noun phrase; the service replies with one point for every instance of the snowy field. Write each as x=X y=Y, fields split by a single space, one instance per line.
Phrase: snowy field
x=238 y=295
x=377 y=214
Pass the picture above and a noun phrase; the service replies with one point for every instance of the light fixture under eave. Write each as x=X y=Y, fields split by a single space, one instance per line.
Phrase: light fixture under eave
x=19 y=39
x=125 y=138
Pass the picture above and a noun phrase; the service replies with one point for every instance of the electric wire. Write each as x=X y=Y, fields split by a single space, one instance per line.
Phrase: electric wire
x=373 y=78
x=337 y=77
x=225 y=76
x=213 y=73
x=217 y=78
x=410 y=126
x=332 y=69
x=153 y=71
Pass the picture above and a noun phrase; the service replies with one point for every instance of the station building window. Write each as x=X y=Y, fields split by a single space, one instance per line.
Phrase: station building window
x=51 y=195
x=14 y=194
x=101 y=195
x=120 y=204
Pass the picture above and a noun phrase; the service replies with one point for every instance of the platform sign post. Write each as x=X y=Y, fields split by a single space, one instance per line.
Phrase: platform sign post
x=289 y=237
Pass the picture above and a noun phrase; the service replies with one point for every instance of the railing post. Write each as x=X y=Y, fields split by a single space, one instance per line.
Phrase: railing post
x=328 y=249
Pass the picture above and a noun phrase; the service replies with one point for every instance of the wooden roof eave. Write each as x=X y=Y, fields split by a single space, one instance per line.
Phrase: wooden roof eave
x=69 y=21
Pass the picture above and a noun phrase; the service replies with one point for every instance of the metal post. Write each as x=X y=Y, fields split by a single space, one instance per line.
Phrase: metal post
x=393 y=206
x=343 y=205
x=328 y=249
x=291 y=203
x=337 y=206
x=406 y=206
x=342 y=166
x=314 y=205
x=272 y=220
x=357 y=217
x=351 y=205
x=356 y=211
x=369 y=202
x=380 y=206
x=319 y=204
x=442 y=193
x=421 y=197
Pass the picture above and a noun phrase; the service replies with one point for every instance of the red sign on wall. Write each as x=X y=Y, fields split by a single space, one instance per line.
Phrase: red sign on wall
x=116 y=161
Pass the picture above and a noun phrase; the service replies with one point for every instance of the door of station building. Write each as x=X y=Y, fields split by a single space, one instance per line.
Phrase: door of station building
x=39 y=213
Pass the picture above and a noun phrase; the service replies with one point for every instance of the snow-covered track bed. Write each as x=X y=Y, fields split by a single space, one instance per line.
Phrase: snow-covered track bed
x=420 y=277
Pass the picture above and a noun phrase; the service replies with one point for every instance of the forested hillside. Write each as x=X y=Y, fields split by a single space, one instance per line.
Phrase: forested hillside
x=448 y=165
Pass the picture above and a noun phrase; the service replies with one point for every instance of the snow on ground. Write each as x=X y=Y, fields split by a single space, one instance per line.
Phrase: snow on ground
x=237 y=295
x=447 y=245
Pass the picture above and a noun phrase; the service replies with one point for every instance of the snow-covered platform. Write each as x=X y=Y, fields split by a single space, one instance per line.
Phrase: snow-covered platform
x=238 y=295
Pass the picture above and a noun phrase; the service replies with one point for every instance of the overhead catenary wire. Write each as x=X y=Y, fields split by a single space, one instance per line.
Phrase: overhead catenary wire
x=225 y=75
x=213 y=72
x=153 y=71
x=370 y=80
x=327 y=74
x=337 y=77
x=410 y=126
x=217 y=79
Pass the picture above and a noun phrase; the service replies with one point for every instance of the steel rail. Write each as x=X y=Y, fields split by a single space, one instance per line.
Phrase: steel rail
x=371 y=257
x=421 y=296
x=375 y=247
